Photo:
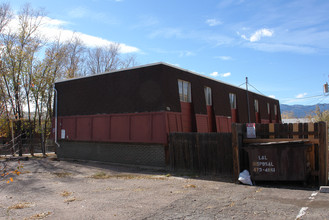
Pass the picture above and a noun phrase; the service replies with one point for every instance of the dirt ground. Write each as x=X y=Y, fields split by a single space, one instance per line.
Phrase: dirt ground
x=53 y=189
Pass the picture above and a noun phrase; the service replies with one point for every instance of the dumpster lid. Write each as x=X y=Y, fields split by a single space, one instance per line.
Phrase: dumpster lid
x=297 y=142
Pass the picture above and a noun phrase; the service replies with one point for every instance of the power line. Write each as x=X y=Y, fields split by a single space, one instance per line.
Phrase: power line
x=242 y=84
x=256 y=89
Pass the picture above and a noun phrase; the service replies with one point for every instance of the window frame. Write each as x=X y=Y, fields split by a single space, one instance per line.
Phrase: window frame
x=208 y=95
x=232 y=98
x=275 y=110
x=256 y=105
x=268 y=108
x=184 y=87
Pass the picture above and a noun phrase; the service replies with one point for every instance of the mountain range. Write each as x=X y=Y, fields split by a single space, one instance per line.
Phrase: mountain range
x=301 y=111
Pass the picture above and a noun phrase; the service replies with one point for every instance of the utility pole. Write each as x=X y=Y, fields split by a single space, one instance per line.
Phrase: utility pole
x=247 y=99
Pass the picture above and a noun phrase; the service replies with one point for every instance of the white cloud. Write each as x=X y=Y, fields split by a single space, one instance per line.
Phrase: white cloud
x=225 y=57
x=52 y=29
x=258 y=35
x=225 y=74
x=272 y=96
x=214 y=74
x=213 y=22
x=301 y=95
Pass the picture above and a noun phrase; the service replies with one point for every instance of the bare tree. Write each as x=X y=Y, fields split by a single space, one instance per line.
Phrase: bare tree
x=47 y=71
x=104 y=59
x=5 y=15
x=75 y=53
x=19 y=49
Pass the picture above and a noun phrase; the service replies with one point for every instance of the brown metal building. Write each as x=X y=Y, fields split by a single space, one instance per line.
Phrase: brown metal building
x=125 y=116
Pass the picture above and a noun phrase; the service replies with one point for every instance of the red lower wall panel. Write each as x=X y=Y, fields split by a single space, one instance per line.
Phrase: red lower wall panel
x=141 y=127
x=101 y=128
x=137 y=128
x=234 y=114
x=211 y=120
x=159 y=131
x=174 y=122
x=119 y=128
x=70 y=124
x=223 y=124
x=257 y=116
x=152 y=127
x=83 y=128
x=186 y=109
x=202 y=123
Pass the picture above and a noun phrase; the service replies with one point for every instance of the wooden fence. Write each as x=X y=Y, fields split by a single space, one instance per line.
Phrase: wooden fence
x=313 y=133
x=207 y=153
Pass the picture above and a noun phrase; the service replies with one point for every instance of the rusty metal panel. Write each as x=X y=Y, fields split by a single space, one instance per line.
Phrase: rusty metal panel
x=278 y=161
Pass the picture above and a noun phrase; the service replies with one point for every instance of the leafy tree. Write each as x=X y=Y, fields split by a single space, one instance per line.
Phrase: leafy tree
x=29 y=67
x=318 y=115
x=287 y=115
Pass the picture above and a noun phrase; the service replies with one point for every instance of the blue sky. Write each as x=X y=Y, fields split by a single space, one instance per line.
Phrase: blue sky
x=282 y=46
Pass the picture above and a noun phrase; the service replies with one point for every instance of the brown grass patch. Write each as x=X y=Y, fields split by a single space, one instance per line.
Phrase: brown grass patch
x=39 y=215
x=70 y=199
x=62 y=175
x=21 y=205
x=66 y=193
x=100 y=175
x=190 y=186
x=103 y=175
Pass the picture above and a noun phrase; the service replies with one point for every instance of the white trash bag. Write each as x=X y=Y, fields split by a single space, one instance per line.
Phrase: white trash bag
x=244 y=178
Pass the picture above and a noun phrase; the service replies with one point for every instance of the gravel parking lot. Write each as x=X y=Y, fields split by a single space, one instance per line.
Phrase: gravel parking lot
x=53 y=189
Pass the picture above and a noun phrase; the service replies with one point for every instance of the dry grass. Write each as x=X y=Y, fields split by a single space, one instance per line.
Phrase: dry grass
x=21 y=205
x=66 y=193
x=70 y=199
x=39 y=216
x=103 y=175
x=100 y=175
x=190 y=186
x=63 y=174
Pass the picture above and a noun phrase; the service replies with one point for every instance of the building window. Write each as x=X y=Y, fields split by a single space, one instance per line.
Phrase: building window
x=184 y=88
x=268 y=108
x=207 y=93
x=256 y=106
x=275 y=110
x=232 y=97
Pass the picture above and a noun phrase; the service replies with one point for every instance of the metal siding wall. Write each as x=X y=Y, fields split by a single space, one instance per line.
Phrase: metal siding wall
x=101 y=128
x=84 y=128
x=139 y=128
x=211 y=121
x=152 y=89
x=223 y=124
x=120 y=128
x=159 y=132
x=202 y=123
x=70 y=125
x=187 y=116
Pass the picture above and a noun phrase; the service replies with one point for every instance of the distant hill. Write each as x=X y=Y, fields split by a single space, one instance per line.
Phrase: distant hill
x=301 y=111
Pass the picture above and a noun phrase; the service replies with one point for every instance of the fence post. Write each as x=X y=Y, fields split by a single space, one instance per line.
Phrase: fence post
x=323 y=153
x=236 y=132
